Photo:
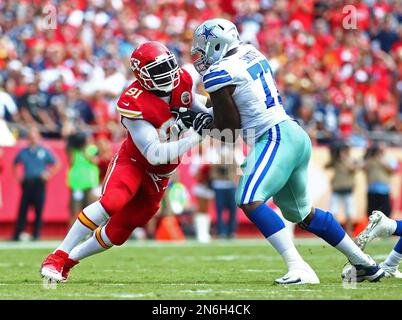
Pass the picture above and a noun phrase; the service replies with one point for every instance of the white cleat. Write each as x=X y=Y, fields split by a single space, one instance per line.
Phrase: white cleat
x=391 y=271
x=51 y=275
x=358 y=273
x=379 y=226
x=302 y=274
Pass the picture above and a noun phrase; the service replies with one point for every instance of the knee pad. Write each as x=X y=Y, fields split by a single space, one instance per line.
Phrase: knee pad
x=141 y=220
x=113 y=202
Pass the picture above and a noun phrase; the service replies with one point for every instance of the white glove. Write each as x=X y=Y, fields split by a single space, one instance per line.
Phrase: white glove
x=177 y=128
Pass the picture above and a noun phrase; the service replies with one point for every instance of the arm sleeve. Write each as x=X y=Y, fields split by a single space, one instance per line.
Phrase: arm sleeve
x=198 y=104
x=146 y=139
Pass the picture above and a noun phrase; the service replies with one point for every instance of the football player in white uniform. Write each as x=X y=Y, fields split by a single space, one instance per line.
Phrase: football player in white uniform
x=242 y=89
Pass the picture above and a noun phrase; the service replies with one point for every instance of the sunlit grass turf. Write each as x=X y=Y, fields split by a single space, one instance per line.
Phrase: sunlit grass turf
x=240 y=269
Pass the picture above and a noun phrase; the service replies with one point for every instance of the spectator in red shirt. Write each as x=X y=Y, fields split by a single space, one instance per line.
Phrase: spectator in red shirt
x=346 y=121
x=303 y=11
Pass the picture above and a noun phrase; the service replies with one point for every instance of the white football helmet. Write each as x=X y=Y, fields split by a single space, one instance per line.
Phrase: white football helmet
x=212 y=40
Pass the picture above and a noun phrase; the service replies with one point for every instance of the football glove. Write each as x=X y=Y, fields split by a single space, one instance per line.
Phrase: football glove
x=202 y=121
x=178 y=128
x=190 y=118
x=184 y=115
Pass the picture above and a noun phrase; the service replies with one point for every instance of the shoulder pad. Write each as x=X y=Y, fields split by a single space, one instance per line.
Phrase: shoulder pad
x=217 y=77
x=130 y=103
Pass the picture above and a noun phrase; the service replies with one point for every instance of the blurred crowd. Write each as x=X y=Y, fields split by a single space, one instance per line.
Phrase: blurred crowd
x=378 y=168
x=339 y=68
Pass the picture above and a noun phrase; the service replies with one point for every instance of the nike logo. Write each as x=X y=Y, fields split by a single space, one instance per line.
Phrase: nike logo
x=126 y=104
x=285 y=281
x=298 y=280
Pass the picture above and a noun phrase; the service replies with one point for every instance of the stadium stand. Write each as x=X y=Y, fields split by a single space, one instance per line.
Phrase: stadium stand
x=340 y=81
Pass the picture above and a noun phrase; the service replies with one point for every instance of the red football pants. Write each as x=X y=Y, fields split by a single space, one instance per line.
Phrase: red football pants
x=131 y=196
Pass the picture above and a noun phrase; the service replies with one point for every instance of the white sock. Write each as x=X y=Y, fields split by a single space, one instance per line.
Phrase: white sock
x=283 y=243
x=88 y=220
x=393 y=259
x=290 y=226
x=202 y=223
x=99 y=242
x=352 y=251
x=392 y=226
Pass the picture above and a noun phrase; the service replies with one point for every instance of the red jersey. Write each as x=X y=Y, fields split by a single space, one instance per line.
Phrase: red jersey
x=137 y=103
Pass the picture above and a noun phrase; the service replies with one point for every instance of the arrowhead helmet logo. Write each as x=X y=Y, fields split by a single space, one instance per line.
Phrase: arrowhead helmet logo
x=135 y=63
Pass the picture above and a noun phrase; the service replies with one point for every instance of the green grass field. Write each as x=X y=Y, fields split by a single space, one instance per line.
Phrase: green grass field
x=239 y=269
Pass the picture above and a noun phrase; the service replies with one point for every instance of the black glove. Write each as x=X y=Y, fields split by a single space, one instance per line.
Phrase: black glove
x=202 y=121
x=187 y=116
x=190 y=118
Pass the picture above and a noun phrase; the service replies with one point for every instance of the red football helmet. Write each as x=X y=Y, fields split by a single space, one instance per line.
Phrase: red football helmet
x=155 y=67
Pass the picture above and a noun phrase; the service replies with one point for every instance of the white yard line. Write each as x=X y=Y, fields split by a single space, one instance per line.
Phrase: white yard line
x=201 y=291
x=5 y=265
x=240 y=257
x=6 y=245
x=130 y=295
x=90 y=295
x=262 y=270
x=232 y=291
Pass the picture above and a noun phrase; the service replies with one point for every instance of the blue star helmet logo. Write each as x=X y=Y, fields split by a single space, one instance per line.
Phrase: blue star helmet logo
x=207 y=33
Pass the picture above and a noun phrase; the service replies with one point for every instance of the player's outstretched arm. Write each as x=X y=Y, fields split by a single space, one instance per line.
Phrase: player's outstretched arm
x=147 y=140
x=202 y=104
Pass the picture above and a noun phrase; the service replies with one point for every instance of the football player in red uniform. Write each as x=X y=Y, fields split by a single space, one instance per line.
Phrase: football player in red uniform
x=138 y=174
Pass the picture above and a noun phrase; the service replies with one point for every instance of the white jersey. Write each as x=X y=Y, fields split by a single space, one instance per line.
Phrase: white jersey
x=256 y=96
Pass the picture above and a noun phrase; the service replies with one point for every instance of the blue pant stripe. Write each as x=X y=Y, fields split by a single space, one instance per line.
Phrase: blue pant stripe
x=257 y=165
x=271 y=159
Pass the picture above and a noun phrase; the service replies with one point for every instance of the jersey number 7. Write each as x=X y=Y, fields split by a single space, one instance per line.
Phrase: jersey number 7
x=262 y=71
